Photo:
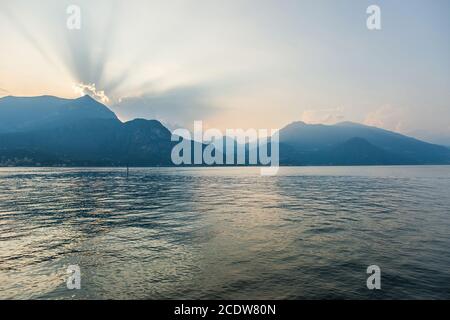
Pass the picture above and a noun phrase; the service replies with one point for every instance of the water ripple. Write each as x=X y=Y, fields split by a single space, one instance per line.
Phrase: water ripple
x=221 y=233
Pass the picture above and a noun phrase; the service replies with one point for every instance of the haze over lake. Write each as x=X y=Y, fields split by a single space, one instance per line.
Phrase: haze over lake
x=225 y=233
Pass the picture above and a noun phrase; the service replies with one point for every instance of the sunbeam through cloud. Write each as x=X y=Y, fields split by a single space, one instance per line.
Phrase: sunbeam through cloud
x=90 y=89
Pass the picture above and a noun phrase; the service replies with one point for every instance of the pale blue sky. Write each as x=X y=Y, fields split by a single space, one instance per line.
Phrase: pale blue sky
x=247 y=63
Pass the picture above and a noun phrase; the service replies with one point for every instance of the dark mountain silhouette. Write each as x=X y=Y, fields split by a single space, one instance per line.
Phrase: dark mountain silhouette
x=18 y=114
x=51 y=131
x=81 y=132
x=351 y=143
x=93 y=142
x=358 y=151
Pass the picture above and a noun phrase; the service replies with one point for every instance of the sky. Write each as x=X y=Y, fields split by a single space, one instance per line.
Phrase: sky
x=238 y=63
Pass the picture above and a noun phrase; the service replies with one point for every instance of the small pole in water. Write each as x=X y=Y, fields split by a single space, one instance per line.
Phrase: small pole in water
x=128 y=170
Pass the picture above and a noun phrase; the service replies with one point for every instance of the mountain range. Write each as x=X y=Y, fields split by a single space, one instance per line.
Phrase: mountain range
x=51 y=131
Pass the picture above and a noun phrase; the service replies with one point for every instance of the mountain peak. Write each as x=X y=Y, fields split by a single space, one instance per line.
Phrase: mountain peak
x=299 y=123
x=36 y=113
x=296 y=124
x=87 y=98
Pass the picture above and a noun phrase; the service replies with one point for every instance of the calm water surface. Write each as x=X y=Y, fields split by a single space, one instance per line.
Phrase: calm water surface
x=225 y=233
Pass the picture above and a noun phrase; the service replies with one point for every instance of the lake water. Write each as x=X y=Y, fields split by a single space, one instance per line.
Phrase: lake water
x=225 y=233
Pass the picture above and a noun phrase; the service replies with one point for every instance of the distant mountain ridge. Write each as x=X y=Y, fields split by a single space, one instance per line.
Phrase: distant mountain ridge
x=18 y=114
x=49 y=131
x=80 y=132
x=307 y=144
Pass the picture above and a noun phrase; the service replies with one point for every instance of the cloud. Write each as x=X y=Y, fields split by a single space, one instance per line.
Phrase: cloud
x=388 y=117
x=90 y=51
x=325 y=116
x=91 y=90
x=415 y=121
x=178 y=107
